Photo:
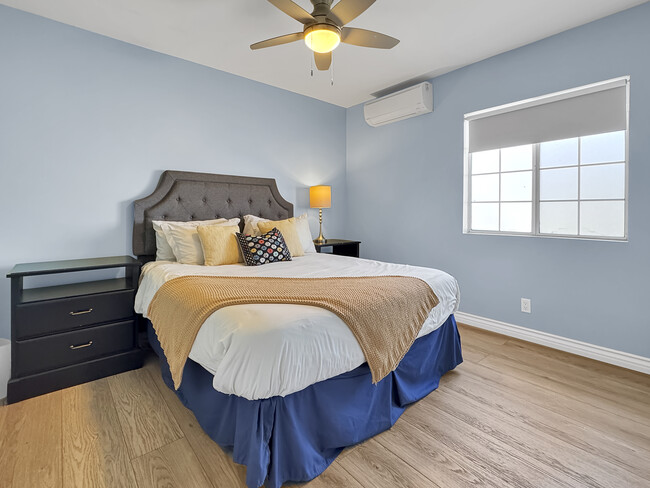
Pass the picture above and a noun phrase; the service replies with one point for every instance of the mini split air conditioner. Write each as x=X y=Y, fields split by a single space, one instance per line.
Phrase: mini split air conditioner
x=416 y=100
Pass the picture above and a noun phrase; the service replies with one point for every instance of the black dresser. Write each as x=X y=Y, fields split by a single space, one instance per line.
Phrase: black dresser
x=68 y=334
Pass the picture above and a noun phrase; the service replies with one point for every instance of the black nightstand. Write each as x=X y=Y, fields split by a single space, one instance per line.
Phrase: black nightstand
x=340 y=247
x=68 y=334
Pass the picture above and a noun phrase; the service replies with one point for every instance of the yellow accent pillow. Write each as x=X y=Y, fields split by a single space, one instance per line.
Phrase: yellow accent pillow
x=289 y=232
x=219 y=244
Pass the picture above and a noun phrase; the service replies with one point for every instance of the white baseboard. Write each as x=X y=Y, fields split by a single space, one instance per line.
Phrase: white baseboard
x=599 y=353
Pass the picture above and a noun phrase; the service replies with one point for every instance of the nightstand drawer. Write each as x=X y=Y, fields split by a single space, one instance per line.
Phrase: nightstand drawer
x=339 y=247
x=67 y=348
x=40 y=318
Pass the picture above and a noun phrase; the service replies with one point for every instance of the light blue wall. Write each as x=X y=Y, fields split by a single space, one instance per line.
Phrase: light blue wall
x=87 y=124
x=405 y=184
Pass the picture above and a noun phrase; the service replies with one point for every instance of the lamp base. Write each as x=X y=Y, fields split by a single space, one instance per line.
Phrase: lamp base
x=320 y=239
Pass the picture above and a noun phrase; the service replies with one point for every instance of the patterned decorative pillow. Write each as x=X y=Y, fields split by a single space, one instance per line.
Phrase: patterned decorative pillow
x=264 y=249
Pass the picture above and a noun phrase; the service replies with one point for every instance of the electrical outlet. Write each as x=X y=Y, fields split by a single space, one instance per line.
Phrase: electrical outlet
x=525 y=305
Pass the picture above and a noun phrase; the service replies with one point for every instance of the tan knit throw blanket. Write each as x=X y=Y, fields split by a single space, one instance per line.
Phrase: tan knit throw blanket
x=385 y=313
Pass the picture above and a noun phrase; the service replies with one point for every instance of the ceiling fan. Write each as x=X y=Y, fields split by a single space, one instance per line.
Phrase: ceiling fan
x=324 y=28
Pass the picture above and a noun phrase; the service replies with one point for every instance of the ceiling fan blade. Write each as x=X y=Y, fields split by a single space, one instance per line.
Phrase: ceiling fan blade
x=348 y=10
x=367 y=38
x=293 y=10
x=323 y=60
x=276 y=41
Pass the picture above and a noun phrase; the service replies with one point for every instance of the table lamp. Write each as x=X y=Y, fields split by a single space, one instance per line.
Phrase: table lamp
x=320 y=197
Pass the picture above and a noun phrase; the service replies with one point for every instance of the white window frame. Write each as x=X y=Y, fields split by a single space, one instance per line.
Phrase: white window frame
x=535 y=232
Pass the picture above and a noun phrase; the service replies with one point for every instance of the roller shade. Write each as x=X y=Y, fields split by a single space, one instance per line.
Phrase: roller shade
x=593 y=109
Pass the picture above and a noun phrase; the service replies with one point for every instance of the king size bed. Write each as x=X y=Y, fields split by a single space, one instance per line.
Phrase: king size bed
x=284 y=387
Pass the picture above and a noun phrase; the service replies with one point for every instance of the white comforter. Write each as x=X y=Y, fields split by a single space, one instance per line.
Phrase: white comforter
x=263 y=350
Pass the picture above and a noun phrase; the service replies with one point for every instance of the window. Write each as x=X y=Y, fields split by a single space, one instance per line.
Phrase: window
x=523 y=177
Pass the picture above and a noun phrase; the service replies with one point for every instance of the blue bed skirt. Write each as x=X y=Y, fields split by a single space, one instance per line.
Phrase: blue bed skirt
x=295 y=438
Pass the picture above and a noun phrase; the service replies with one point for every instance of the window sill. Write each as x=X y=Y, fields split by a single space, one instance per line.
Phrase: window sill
x=547 y=236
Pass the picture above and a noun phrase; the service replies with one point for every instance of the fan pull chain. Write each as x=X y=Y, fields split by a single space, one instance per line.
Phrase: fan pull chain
x=332 y=72
x=311 y=58
x=311 y=61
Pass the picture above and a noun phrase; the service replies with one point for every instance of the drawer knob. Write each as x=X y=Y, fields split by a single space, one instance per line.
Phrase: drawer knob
x=81 y=346
x=81 y=312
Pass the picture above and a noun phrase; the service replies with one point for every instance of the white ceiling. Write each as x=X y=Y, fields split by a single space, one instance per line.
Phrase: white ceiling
x=436 y=36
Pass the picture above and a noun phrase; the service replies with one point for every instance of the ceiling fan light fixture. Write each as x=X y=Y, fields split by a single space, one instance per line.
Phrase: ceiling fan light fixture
x=322 y=38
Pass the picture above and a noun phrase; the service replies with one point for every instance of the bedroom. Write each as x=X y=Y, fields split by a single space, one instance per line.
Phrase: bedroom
x=90 y=123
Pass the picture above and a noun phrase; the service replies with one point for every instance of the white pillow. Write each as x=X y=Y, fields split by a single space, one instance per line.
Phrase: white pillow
x=185 y=242
x=302 y=226
x=164 y=251
x=251 y=223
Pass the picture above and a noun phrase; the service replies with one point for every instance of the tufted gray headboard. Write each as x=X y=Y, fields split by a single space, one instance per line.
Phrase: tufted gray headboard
x=185 y=196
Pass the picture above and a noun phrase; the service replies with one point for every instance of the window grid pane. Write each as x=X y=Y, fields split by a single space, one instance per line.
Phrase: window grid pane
x=485 y=162
x=602 y=182
x=515 y=217
x=517 y=187
x=602 y=218
x=558 y=184
x=485 y=188
x=559 y=153
x=603 y=148
x=518 y=158
x=601 y=190
x=559 y=218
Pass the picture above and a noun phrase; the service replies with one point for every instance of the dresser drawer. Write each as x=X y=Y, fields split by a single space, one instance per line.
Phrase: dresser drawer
x=39 y=318
x=55 y=351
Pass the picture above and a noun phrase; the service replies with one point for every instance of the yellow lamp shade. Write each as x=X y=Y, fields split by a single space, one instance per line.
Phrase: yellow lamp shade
x=320 y=196
x=322 y=38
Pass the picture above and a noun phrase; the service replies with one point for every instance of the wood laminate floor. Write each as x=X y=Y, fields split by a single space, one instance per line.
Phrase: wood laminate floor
x=513 y=414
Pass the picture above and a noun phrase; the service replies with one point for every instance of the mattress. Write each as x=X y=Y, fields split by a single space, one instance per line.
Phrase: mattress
x=259 y=351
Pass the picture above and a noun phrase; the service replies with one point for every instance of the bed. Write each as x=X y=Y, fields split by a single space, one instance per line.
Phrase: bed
x=284 y=388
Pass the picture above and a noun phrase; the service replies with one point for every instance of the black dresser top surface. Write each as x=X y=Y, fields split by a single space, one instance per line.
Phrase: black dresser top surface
x=71 y=265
